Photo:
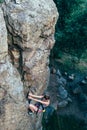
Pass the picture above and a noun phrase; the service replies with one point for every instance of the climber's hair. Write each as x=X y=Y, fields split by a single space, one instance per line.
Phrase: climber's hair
x=46 y=96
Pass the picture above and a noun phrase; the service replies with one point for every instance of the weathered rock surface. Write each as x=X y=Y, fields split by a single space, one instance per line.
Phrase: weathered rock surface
x=11 y=88
x=3 y=37
x=11 y=96
x=24 y=58
x=31 y=27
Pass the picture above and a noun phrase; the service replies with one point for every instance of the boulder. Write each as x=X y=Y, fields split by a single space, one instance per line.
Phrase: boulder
x=62 y=104
x=62 y=92
x=76 y=89
x=61 y=81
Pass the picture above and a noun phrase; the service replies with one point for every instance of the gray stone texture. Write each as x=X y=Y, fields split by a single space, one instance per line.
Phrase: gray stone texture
x=24 y=58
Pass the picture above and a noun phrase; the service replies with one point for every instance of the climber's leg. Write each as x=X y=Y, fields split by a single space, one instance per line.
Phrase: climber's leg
x=33 y=108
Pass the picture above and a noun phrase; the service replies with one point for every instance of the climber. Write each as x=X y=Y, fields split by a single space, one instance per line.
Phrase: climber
x=42 y=101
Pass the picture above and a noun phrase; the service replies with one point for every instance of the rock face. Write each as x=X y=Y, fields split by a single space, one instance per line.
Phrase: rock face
x=11 y=87
x=31 y=27
x=24 y=57
x=3 y=37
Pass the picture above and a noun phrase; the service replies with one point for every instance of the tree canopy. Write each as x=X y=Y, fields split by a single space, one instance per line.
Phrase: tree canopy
x=71 y=31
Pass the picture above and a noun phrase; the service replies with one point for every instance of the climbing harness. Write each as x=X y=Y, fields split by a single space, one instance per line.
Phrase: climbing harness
x=38 y=105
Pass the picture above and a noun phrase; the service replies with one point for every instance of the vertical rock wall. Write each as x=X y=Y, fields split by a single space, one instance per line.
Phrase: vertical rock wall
x=24 y=58
x=31 y=27
x=11 y=87
x=3 y=37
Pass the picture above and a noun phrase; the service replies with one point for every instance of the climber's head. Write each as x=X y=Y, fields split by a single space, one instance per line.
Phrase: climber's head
x=46 y=96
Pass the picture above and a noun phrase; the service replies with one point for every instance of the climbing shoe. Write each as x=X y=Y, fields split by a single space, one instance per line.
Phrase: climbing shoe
x=30 y=112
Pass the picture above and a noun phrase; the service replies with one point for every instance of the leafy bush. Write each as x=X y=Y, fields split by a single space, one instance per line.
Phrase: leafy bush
x=1 y=1
x=71 y=29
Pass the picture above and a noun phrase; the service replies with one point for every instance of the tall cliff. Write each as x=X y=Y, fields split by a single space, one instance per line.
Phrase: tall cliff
x=26 y=38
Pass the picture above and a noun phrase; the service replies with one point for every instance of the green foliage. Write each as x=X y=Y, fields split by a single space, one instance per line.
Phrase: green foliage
x=70 y=123
x=71 y=31
x=64 y=122
x=1 y=1
x=50 y=119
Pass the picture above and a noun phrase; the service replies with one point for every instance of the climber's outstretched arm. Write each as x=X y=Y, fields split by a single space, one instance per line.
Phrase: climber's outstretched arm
x=35 y=96
x=43 y=102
